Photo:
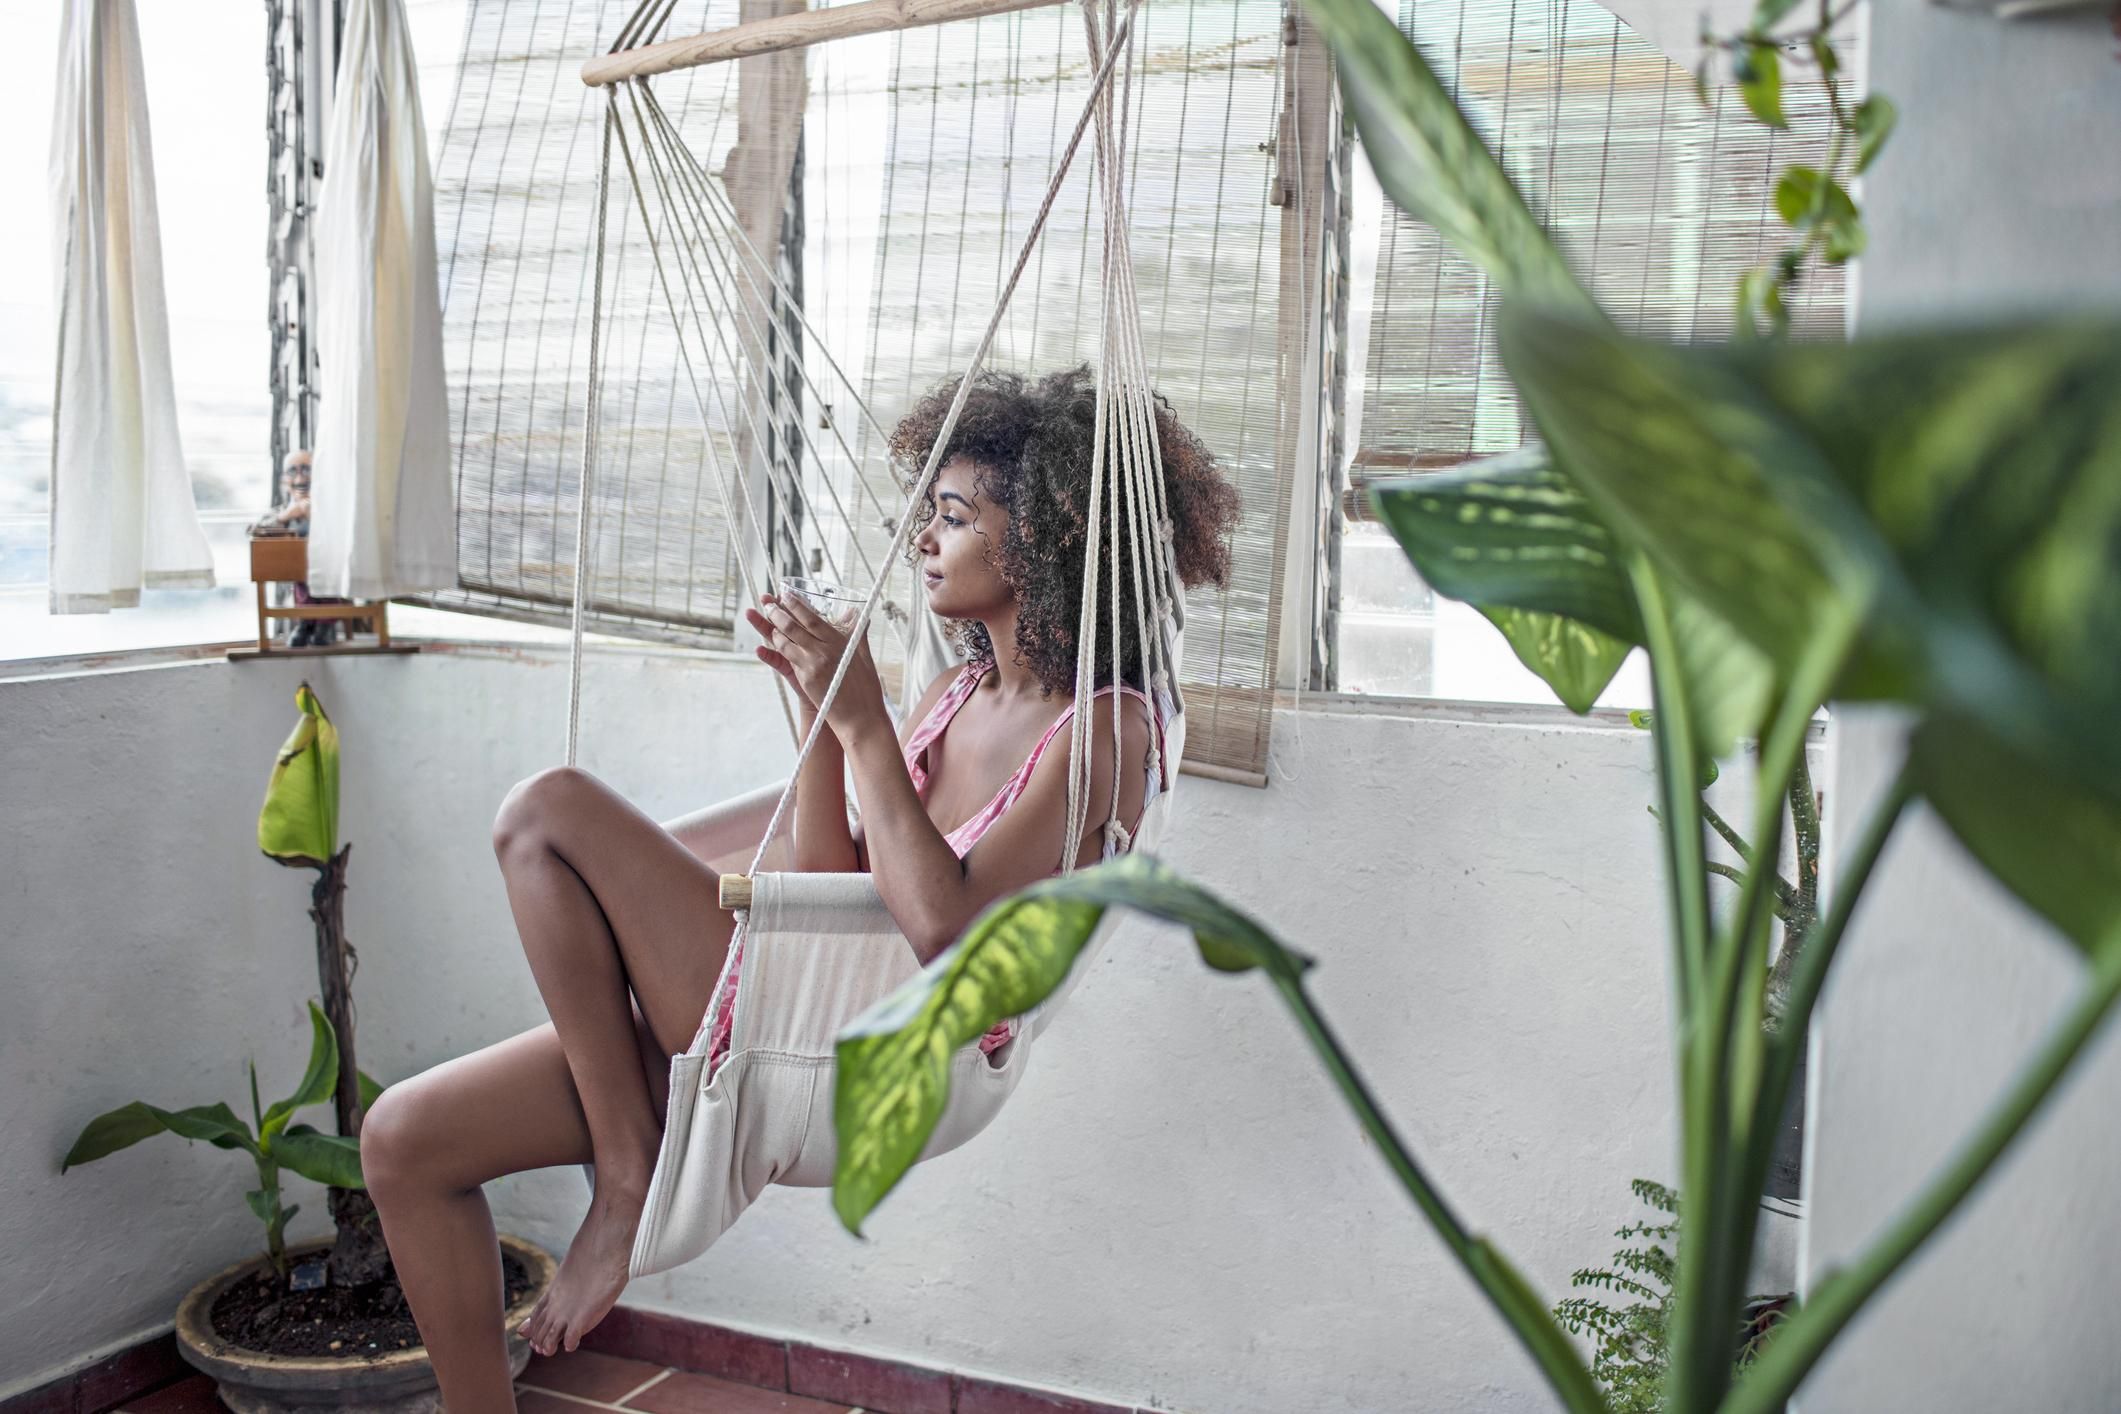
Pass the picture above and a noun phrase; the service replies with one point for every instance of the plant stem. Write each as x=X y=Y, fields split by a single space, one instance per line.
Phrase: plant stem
x=1731 y=836
x=1809 y=976
x=1685 y=853
x=1797 y=1347
x=1524 y=1312
x=1717 y=1231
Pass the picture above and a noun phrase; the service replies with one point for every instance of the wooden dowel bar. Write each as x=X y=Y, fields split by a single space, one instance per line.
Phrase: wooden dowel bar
x=736 y=891
x=795 y=31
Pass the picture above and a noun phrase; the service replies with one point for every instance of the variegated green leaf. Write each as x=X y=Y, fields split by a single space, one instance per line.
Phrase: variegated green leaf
x=1987 y=459
x=1990 y=461
x=127 y=1125
x=1684 y=457
x=1431 y=162
x=1729 y=682
x=299 y=823
x=318 y=1082
x=1511 y=532
x=894 y=1060
x=2044 y=835
x=1512 y=537
x=1572 y=658
x=326 y=1158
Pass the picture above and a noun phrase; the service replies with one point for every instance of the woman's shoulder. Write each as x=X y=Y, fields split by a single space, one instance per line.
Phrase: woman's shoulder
x=925 y=705
x=1135 y=724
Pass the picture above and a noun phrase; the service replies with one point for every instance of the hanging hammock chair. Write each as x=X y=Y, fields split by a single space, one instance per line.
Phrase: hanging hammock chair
x=818 y=950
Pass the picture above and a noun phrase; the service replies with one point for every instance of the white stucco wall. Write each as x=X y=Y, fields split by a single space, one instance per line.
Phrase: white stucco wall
x=1176 y=1209
x=2000 y=192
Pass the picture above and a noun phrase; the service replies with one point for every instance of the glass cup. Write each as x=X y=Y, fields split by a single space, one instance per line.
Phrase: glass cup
x=831 y=602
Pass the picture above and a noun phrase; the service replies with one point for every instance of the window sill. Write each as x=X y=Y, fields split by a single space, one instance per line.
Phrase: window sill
x=123 y=660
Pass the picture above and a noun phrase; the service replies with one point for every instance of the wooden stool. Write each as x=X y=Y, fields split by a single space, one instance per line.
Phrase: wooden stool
x=284 y=559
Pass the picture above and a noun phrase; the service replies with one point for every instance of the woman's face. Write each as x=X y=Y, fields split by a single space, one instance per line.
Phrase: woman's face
x=955 y=547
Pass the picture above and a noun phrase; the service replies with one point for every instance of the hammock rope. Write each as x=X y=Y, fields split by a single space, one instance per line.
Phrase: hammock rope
x=700 y=233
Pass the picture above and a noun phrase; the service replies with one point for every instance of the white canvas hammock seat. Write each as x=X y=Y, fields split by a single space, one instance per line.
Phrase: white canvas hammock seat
x=819 y=950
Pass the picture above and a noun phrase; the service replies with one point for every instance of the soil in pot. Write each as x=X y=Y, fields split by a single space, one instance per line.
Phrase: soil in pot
x=260 y=1313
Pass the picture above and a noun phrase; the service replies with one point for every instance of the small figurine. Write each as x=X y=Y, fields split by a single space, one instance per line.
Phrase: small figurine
x=292 y=518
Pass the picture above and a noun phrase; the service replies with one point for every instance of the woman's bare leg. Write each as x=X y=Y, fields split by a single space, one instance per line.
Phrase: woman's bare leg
x=427 y=1146
x=605 y=899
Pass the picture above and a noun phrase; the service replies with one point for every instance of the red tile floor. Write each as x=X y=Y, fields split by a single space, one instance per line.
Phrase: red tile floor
x=575 y=1383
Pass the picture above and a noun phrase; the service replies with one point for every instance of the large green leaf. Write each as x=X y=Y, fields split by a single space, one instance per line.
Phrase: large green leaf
x=1989 y=459
x=127 y=1125
x=299 y=823
x=1572 y=658
x=319 y=1081
x=1430 y=161
x=327 y=1158
x=1511 y=532
x=1960 y=489
x=1683 y=456
x=1511 y=536
x=894 y=1059
x=2051 y=841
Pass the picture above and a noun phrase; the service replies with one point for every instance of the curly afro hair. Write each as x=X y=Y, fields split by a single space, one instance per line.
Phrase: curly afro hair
x=1032 y=444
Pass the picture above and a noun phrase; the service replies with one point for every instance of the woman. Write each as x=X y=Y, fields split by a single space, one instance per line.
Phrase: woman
x=620 y=917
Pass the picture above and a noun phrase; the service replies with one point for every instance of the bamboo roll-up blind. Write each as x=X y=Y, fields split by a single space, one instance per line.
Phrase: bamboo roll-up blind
x=895 y=184
x=515 y=210
x=1661 y=204
x=978 y=111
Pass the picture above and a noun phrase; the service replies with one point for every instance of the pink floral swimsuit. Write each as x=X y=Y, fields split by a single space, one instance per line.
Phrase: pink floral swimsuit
x=960 y=839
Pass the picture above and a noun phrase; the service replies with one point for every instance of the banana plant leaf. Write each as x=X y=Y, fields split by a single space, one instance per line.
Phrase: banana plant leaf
x=127 y=1125
x=299 y=824
x=319 y=1079
x=326 y=1158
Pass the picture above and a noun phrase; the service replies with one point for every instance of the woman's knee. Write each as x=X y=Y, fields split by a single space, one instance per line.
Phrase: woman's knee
x=528 y=809
x=394 y=1135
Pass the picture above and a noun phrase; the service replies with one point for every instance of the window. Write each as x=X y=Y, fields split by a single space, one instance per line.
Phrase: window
x=899 y=191
x=1659 y=201
x=211 y=146
x=218 y=335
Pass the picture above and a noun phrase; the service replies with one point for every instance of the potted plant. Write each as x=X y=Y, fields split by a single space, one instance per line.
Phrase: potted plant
x=323 y=1322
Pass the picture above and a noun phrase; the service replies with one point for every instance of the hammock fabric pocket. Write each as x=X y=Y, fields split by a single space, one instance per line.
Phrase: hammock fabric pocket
x=819 y=950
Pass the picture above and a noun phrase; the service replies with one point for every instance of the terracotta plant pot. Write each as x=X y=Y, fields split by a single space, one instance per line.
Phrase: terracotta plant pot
x=400 y=1382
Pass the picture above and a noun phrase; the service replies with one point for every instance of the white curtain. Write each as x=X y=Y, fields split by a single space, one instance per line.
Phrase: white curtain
x=121 y=502
x=384 y=521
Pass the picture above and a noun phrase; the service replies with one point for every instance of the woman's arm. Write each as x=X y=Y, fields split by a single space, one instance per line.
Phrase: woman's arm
x=809 y=649
x=823 y=842
x=917 y=873
x=933 y=894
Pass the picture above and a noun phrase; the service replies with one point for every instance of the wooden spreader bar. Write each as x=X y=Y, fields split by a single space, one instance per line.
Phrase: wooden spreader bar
x=795 y=31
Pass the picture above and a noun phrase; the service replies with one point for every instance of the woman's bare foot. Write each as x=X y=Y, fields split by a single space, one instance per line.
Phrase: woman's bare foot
x=595 y=1269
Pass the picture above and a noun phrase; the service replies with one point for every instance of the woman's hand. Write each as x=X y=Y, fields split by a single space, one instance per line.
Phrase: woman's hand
x=805 y=648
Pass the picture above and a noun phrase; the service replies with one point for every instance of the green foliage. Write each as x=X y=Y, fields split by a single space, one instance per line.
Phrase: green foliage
x=1813 y=202
x=299 y=822
x=1627 y=1311
x=1629 y=1340
x=1932 y=520
x=894 y=1060
x=1758 y=69
x=273 y=1144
